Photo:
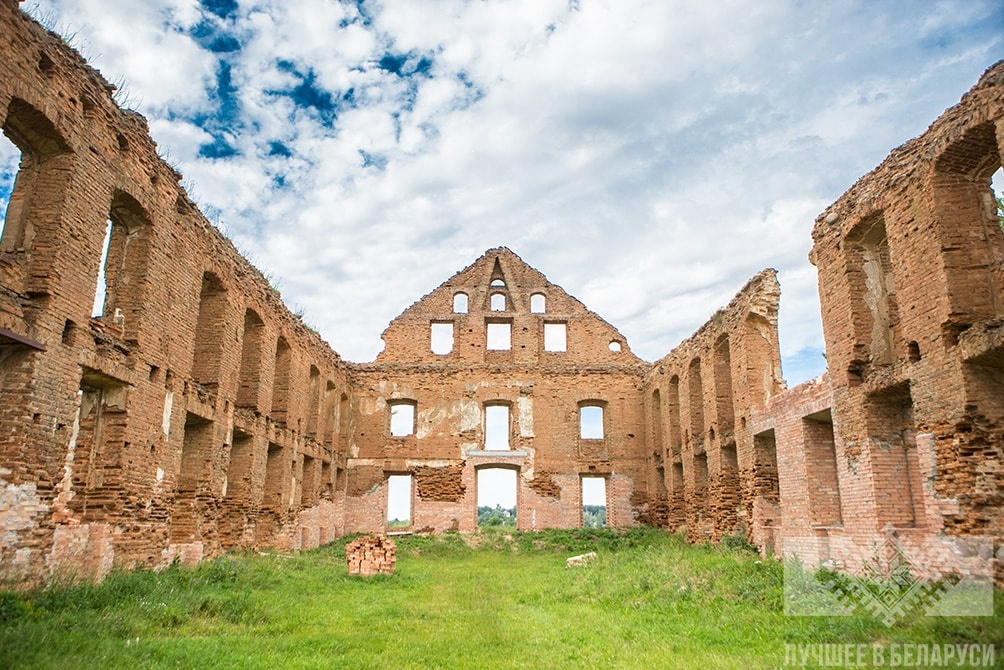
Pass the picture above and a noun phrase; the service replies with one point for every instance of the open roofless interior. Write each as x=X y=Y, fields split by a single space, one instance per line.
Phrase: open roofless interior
x=159 y=402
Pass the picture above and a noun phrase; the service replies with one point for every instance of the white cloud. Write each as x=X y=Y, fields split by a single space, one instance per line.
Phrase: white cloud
x=647 y=155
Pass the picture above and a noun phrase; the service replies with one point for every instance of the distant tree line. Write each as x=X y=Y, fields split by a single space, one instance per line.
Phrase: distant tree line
x=496 y=516
x=594 y=516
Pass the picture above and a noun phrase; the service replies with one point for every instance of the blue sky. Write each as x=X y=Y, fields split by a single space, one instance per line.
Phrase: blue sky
x=648 y=156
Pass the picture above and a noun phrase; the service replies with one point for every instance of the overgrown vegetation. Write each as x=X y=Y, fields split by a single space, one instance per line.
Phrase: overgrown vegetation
x=594 y=516
x=496 y=599
x=496 y=516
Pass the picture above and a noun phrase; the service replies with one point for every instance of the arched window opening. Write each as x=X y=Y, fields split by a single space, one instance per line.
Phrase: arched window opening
x=313 y=400
x=251 y=355
x=591 y=421
x=656 y=421
x=36 y=177
x=724 y=405
x=497 y=283
x=460 y=303
x=343 y=417
x=98 y=308
x=281 y=380
x=330 y=413
x=673 y=415
x=874 y=303
x=538 y=303
x=122 y=267
x=10 y=159
x=209 y=331
x=967 y=224
x=696 y=404
x=498 y=302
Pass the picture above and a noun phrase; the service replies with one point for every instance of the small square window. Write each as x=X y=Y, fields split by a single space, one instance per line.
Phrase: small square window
x=499 y=336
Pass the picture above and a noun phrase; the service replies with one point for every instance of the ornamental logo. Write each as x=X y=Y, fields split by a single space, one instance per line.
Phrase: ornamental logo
x=893 y=577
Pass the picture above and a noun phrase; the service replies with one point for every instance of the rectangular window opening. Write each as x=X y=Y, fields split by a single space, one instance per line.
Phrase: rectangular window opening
x=555 y=336
x=765 y=481
x=594 y=502
x=402 y=419
x=497 y=497
x=240 y=467
x=497 y=428
x=274 y=477
x=399 y=501
x=309 y=482
x=821 y=469
x=499 y=336
x=441 y=336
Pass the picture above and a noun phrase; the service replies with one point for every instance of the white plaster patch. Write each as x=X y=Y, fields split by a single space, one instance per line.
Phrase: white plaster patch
x=66 y=484
x=19 y=505
x=524 y=407
x=469 y=413
x=168 y=405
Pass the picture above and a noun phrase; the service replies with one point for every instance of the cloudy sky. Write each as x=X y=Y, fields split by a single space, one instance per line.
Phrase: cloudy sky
x=648 y=156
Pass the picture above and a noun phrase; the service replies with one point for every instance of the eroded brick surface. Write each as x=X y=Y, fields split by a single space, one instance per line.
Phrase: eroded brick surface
x=195 y=413
x=707 y=475
x=911 y=281
x=539 y=390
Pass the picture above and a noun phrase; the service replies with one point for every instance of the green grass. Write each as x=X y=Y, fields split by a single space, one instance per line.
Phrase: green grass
x=648 y=601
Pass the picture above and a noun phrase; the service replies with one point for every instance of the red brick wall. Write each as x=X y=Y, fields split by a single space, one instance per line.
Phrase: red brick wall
x=135 y=470
x=542 y=389
x=699 y=400
x=195 y=413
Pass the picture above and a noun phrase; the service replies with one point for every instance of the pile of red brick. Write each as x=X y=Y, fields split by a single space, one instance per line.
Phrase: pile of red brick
x=371 y=555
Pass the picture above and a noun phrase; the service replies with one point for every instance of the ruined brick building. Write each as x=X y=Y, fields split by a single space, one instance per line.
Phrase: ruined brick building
x=194 y=413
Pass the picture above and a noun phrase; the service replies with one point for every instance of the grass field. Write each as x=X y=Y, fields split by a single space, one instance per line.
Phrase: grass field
x=648 y=601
